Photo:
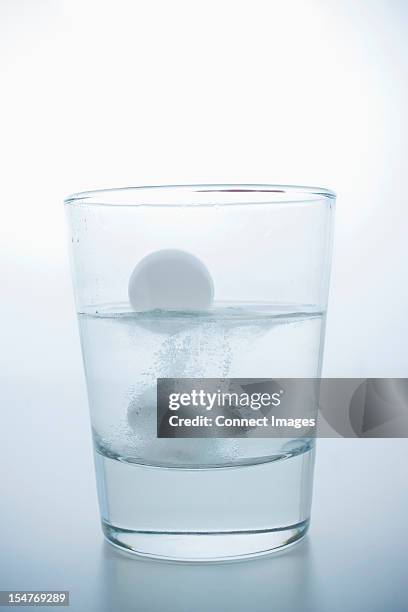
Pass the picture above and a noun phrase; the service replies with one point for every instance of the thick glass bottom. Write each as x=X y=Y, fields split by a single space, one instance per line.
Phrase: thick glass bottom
x=204 y=547
x=205 y=514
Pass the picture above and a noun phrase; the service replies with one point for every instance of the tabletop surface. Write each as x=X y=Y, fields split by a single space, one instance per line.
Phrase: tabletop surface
x=354 y=557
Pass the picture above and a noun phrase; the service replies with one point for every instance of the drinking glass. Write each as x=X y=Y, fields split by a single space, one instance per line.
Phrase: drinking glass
x=267 y=251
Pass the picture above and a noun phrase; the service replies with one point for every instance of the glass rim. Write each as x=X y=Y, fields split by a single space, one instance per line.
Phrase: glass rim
x=211 y=194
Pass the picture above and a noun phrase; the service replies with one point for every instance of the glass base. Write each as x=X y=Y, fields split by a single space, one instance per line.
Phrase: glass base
x=213 y=514
x=204 y=547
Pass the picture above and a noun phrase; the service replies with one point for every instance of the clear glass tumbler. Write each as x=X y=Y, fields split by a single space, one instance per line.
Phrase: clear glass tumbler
x=266 y=250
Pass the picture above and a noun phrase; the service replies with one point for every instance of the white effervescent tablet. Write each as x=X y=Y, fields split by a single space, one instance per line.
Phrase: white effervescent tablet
x=170 y=280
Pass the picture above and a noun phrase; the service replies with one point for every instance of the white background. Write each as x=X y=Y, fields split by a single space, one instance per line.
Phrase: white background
x=112 y=93
x=100 y=93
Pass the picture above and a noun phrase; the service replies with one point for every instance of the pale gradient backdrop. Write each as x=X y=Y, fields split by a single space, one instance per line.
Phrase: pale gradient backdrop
x=100 y=93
